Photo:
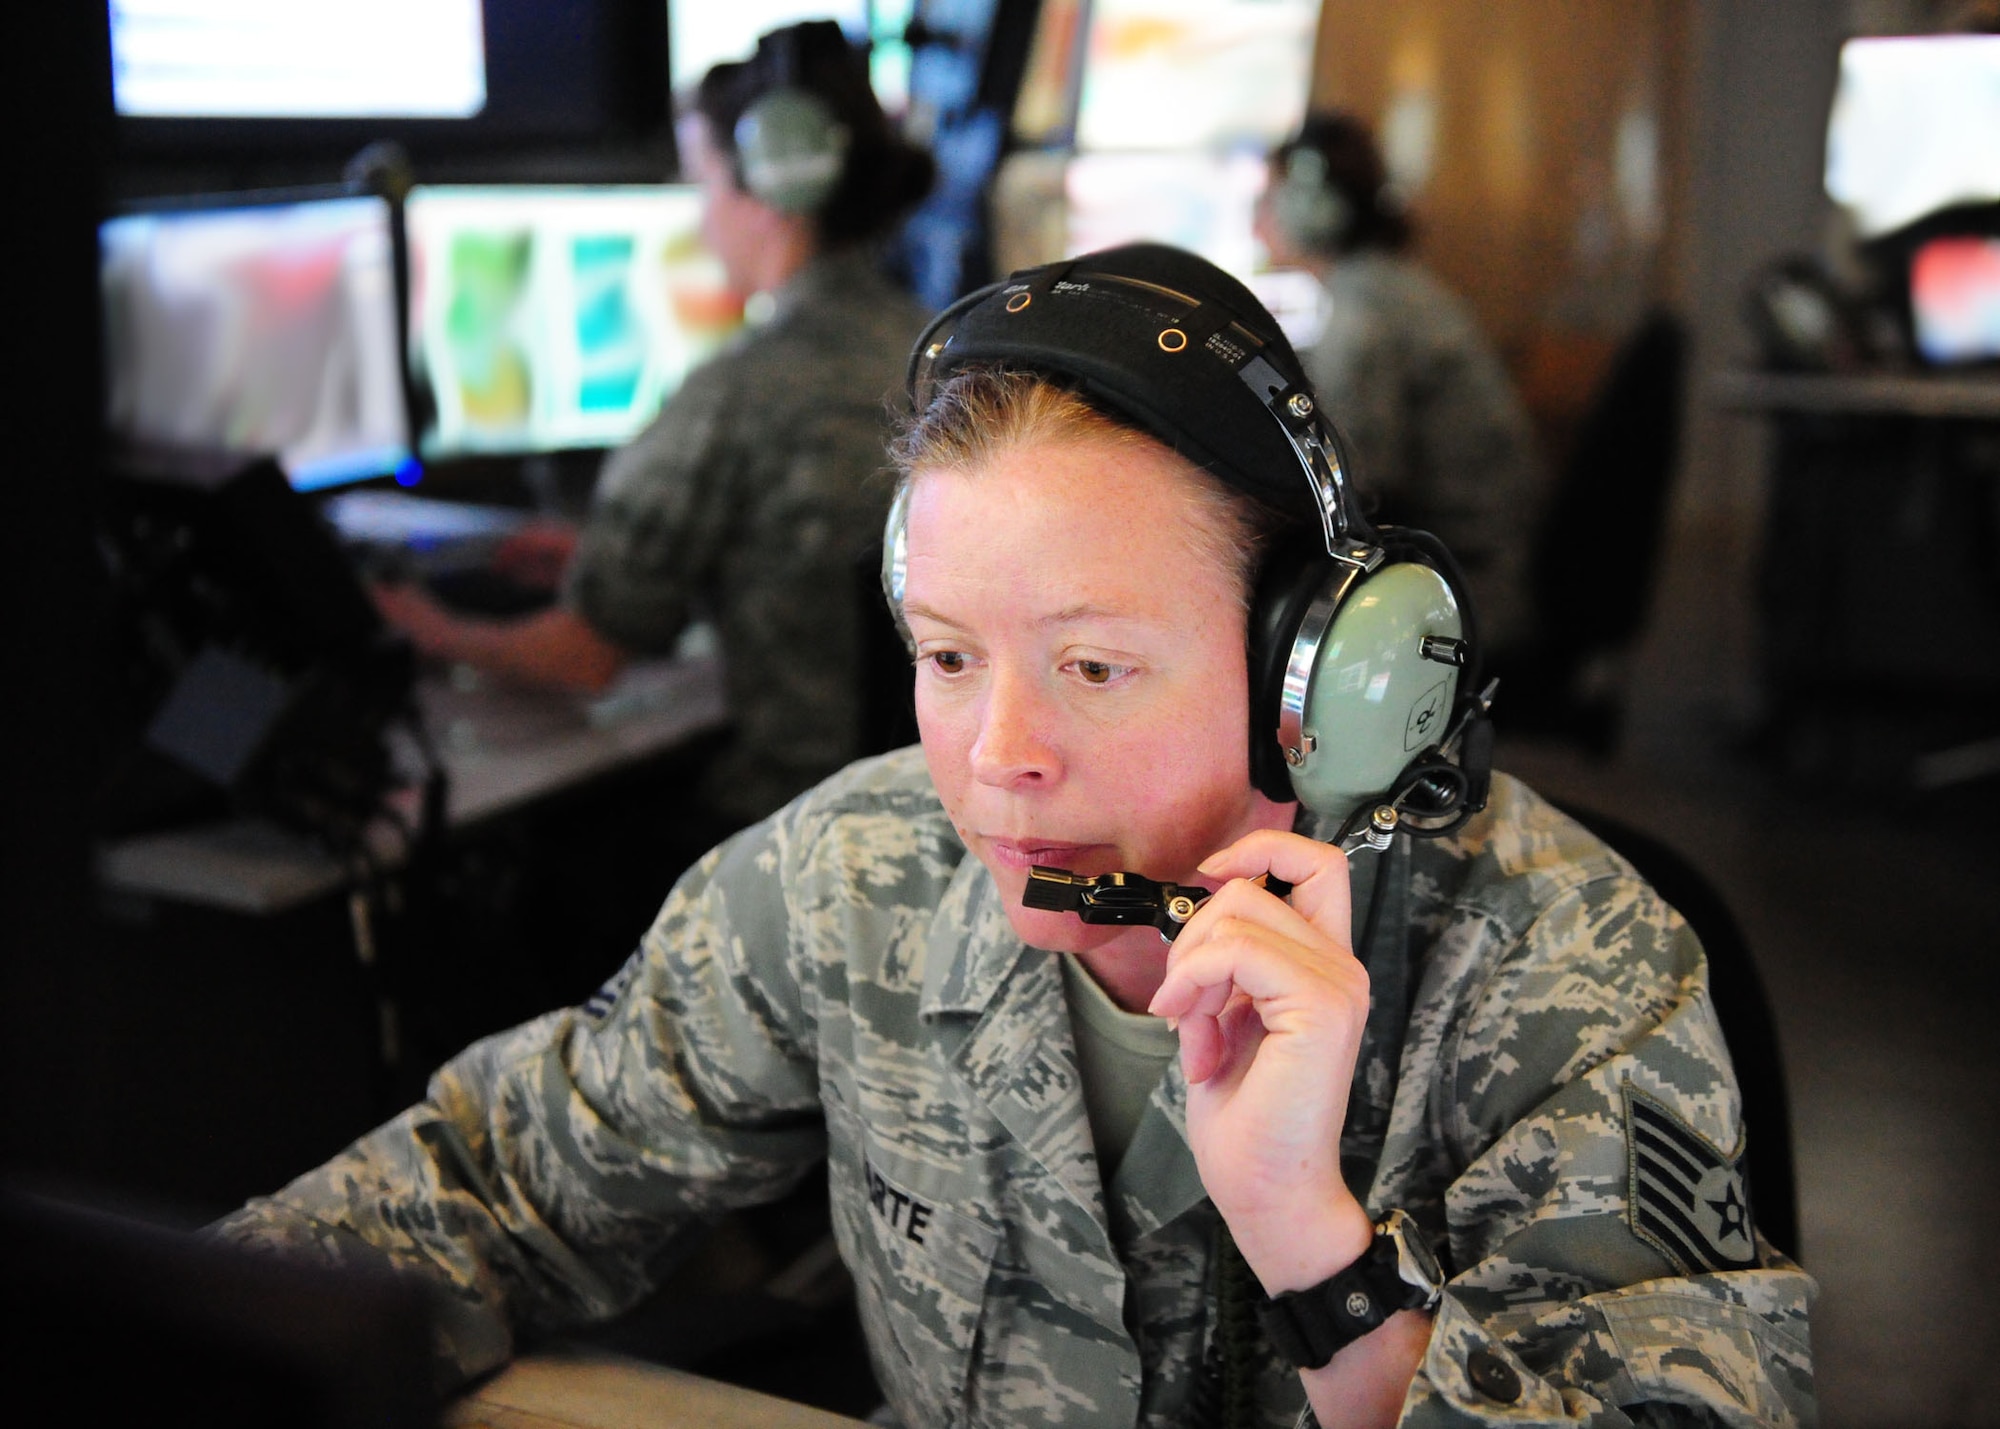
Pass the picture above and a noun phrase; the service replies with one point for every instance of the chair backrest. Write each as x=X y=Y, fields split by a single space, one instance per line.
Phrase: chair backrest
x=1598 y=549
x=1742 y=1007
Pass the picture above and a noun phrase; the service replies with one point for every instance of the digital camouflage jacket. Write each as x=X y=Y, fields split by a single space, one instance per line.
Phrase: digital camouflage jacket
x=756 y=499
x=1555 y=1106
x=1437 y=432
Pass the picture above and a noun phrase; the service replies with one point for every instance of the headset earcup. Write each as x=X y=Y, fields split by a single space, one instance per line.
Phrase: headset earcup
x=1310 y=211
x=791 y=151
x=1372 y=700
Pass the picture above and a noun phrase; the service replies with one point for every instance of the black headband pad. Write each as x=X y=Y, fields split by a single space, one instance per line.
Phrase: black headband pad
x=1152 y=334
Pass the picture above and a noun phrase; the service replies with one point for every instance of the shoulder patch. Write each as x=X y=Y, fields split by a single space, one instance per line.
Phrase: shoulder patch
x=1687 y=1200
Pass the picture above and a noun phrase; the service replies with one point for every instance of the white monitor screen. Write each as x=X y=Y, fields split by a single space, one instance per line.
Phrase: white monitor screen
x=1915 y=127
x=298 y=59
x=1201 y=202
x=1183 y=74
x=703 y=35
x=553 y=317
x=263 y=329
x=1198 y=201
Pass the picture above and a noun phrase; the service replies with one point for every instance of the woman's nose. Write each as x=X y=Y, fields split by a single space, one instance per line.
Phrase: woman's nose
x=1014 y=743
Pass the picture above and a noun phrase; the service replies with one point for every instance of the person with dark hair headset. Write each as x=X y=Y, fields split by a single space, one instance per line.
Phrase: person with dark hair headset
x=1439 y=436
x=752 y=495
x=1195 y=1028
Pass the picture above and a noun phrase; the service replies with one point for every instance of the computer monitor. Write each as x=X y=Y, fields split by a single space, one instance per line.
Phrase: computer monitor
x=1912 y=129
x=1199 y=201
x=114 y=1320
x=304 y=59
x=258 y=327
x=700 y=36
x=1955 y=299
x=318 y=79
x=1194 y=74
x=554 y=317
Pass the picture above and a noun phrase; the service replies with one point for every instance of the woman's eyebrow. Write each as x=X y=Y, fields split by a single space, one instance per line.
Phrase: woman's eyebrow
x=1068 y=615
x=916 y=609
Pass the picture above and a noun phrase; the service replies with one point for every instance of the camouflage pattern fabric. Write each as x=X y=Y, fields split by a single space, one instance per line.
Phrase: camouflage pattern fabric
x=1435 y=428
x=841 y=981
x=749 y=500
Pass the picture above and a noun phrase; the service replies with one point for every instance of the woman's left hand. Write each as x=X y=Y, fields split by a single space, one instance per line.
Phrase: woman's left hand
x=1271 y=1004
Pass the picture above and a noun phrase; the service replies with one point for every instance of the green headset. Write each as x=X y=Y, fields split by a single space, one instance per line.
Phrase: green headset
x=791 y=149
x=1307 y=206
x=1364 y=653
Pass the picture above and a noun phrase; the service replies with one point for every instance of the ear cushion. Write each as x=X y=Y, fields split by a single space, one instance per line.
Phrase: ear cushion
x=1346 y=649
x=1287 y=585
x=791 y=151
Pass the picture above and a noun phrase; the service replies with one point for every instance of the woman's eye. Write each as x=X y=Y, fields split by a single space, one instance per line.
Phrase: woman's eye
x=1095 y=672
x=948 y=662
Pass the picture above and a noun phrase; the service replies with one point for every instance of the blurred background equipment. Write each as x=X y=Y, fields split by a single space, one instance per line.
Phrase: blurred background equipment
x=233 y=1339
x=259 y=323
x=545 y=318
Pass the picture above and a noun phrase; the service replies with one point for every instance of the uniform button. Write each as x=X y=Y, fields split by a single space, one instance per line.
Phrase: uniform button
x=1493 y=1376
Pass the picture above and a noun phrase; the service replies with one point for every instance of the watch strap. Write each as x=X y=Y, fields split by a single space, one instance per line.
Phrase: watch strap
x=1308 y=1327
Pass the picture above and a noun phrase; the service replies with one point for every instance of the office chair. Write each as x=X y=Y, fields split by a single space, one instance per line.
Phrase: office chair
x=1597 y=553
x=1741 y=1006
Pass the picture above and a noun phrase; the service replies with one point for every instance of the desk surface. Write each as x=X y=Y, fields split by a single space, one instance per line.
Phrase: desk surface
x=587 y=1391
x=502 y=747
x=1883 y=394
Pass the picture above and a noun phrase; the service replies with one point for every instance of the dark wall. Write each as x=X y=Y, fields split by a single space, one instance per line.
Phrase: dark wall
x=56 y=102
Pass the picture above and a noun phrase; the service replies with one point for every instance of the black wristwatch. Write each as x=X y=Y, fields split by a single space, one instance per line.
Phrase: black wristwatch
x=1398 y=1272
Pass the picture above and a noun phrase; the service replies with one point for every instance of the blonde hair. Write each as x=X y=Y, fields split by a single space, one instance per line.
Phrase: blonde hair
x=982 y=412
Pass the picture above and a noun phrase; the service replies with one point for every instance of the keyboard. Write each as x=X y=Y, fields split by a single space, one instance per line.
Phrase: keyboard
x=389 y=532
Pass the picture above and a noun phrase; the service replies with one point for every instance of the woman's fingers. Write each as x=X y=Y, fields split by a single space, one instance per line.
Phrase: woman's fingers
x=1316 y=871
x=1241 y=970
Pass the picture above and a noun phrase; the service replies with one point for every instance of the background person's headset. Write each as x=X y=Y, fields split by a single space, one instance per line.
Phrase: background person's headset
x=791 y=149
x=1308 y=207
x=1365 y=702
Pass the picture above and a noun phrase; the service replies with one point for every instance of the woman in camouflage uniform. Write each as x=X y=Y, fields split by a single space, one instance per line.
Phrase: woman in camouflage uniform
x=1439 y=435
x=753 y=494
x=1070 y=1162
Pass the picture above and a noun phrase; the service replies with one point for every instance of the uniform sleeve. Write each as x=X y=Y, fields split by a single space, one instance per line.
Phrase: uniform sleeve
x=551 y=1173
x=1608 y=1268
x=665 y=506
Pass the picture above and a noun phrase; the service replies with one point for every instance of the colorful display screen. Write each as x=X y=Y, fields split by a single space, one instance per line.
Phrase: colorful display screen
x=552 y=317
x=1955 y=299
x=301 y=59
x=1915 y=128
x=261 y=328
x=1193 y=74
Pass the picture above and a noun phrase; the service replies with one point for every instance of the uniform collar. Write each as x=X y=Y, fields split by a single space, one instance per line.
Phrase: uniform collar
x=972 y=947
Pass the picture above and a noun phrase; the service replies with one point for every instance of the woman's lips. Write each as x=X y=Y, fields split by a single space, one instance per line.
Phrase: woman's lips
x=1025 y=853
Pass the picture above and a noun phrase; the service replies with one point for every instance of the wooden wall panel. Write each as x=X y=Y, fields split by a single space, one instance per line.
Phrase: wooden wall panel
x=1546 y=140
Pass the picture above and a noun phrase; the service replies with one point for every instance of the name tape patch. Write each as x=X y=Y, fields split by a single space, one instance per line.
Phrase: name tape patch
x=898 y=1208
